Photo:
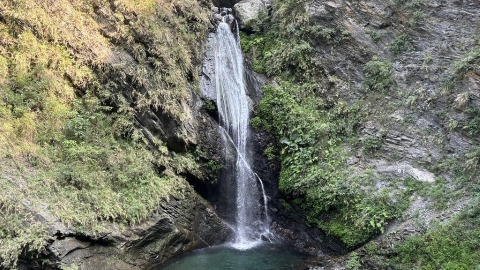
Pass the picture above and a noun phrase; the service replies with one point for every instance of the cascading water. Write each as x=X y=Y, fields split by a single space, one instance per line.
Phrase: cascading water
x=251 y=223
x=242 y=200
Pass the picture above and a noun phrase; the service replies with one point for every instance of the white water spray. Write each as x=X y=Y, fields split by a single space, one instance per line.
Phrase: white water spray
x=233 y=110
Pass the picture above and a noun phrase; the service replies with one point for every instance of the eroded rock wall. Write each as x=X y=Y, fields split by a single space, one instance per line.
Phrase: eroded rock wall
x=416 y=131
x=183 y=222
x=419 y=119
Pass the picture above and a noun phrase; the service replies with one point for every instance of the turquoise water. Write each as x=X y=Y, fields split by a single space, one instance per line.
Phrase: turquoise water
x=263 y=257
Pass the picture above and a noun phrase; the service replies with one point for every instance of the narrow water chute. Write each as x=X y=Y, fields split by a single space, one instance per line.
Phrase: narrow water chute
x=251 y=221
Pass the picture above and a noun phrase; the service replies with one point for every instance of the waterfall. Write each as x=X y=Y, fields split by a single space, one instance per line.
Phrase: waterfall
x=250 y=223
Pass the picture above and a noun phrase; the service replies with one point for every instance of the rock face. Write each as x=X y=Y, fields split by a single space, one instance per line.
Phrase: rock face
x=417 y=123
x=184 y=222
x=415 y=133
x=223 y=14
x=247 y=11
x=417 y=119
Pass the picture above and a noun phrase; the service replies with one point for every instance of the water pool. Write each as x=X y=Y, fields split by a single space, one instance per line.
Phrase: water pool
x=261 y=257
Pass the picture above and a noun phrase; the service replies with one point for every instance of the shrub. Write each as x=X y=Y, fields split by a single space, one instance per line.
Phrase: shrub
x=403 y=43
x=378 y=75
x=451 y=246
x=472 y=125
x=371 y=144
x=353 y=263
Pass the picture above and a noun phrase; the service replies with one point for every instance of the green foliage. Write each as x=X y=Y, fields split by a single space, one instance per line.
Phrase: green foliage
x=402 y=43
x=470 y=62
x=353 y=263
x=202 y=164
x=472 y=125
x=454 y=93
x=378 y=75
x=472 y=162
x=365 y=215
x=210 y=106
x=313 y=165
x=440 y=193
x=285 y=43
x=68 y=104
x=278 y=56
x=312 y=133
x=19 y=231
x=462 y=181
x=451 y=246
x=270 y=152
x=214 y=166
x=93 y=163
x=371 y=144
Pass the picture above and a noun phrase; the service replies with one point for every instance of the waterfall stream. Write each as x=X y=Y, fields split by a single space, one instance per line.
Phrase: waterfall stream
x=250 y=223
x=244 y=203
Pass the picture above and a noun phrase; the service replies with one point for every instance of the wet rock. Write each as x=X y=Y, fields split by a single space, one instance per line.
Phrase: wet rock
x=223 y=15
x=182 y=223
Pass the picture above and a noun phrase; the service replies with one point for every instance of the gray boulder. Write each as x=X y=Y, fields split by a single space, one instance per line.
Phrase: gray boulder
x=247 y=11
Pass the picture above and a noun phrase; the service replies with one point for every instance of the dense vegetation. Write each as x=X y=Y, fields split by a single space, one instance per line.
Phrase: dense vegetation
x=315 y=129
x=451 y=246
x=69 y=95
x=76 y=75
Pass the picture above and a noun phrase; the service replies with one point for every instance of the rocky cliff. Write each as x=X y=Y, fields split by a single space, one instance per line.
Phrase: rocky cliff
x=366 y=132
x=391 y=147
x=182 y=222
x=99 y=101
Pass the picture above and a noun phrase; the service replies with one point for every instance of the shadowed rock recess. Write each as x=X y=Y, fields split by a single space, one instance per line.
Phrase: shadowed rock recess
x=364 y=129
